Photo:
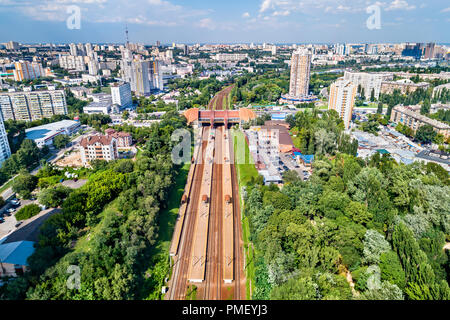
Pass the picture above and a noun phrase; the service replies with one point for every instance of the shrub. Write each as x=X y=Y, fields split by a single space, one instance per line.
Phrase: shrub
x=27 y=212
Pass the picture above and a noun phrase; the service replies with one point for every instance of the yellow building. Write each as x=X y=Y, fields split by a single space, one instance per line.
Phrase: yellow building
x=23 y=70
x=342 y=99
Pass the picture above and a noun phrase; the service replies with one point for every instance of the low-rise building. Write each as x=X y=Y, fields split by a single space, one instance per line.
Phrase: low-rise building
x=410 y=117
x=405 y=86
x=45 y=134
x=98 y=147
x=13 y=257
x=124 y=139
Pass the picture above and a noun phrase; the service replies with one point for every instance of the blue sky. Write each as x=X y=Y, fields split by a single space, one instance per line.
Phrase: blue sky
x=227 y=21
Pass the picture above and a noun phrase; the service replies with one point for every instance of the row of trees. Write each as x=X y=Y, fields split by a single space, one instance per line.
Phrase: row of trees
x=260 y=88
x=24 y=159
x=108 y=228
x=382 y=222
x=320 y=135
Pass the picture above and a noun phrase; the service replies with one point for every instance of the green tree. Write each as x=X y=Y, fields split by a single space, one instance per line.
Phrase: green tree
x=61 y=141
x=425 y=134
x=426 y=106
x=27 y=212
x=54 y=196
x=374 y=246
x=357 y=212
x=380 y=108
x=391 y=269
x=24 y=184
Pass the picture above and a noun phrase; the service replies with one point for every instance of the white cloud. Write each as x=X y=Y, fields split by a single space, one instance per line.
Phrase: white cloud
x=400 y=5
x=445 y=10
x=265 y=5
x=206 y=23
x=144 y=12
x=246 y=15
x=281 y=13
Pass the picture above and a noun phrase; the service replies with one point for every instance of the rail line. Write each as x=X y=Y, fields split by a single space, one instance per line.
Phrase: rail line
x=178 y=283
x=206 y=245
x=198 y=261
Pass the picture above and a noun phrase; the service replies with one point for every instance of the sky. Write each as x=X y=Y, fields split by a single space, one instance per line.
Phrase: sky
x=225 y=21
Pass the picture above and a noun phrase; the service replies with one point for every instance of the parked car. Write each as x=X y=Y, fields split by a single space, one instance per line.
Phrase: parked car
x=15 y=202
x=2 y=220
x=285 y=168
x=18 y=224
x=11 y=210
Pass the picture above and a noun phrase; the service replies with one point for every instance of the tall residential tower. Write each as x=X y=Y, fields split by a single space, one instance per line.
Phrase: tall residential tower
x=342 y=99
x=300 y=72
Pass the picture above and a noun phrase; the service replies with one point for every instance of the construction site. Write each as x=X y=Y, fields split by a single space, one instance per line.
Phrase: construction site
x=206 y=250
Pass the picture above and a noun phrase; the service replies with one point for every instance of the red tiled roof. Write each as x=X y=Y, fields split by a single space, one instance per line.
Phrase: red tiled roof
x=91 y=140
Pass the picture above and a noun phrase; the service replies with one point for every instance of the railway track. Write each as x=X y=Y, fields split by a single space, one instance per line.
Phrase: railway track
x=213 y=264
x=211 y=285
x=178 y=285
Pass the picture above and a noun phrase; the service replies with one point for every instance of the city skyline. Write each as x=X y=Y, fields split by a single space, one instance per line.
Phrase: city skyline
x=256 y=21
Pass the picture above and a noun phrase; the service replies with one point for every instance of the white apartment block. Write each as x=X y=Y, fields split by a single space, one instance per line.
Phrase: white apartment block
x=98 y=147
x=5 y=151
x=33 y=105
x=72 y=63
x=230 y=56
x=93 y=67
x=368 y=81
x=121 y=95
x=300 y=73
x=342 y=99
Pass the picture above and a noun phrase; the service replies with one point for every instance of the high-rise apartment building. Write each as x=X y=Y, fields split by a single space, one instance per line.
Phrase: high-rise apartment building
x=342 y=99
x=73 y=49
x=33 y=105
x=137 y=74
x=5 y=150
x=72 y=63
x=300 y=73
x=81 y=49
x=24 y=70
x=12 y=45
x=429 y=51
x=368 y=81
x=155 y=75
x=93 y=67
x=121 y=95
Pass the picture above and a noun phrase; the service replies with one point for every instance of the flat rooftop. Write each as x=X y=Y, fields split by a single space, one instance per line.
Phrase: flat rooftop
x=48 y=130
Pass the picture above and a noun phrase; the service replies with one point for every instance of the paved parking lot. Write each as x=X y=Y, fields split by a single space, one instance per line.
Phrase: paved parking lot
x=291 y=164
x=10 y=221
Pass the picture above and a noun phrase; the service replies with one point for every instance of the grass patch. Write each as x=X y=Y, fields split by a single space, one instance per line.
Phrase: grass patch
x=245 y=172
x=7 y=185
x=106 y=90
x=191 y=293
x=83 y=243
x=245 y=166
